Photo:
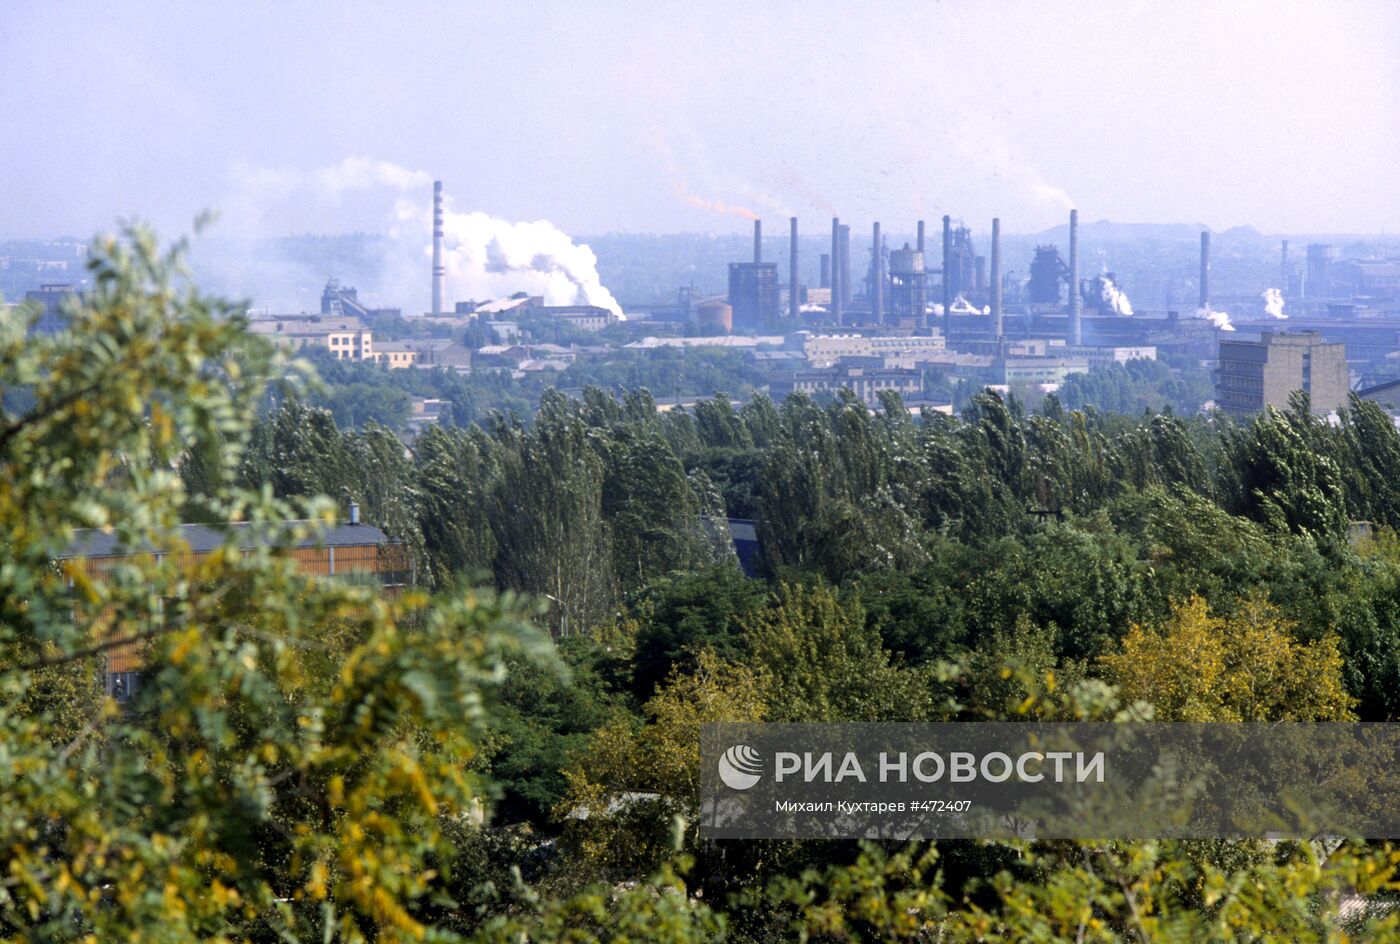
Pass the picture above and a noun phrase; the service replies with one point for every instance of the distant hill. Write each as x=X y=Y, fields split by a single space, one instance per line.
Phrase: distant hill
x=1109 y=231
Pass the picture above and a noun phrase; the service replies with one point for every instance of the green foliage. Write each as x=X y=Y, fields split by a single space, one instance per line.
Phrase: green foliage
x=250 y=791
x=820 y=661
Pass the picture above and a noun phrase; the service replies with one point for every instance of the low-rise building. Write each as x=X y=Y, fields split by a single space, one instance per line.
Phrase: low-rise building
x=351 y=551
x=865 y=382
x=346 y=338
x=1037 y=370
x=823 y=350
x=1108 y=356
x=427 y=411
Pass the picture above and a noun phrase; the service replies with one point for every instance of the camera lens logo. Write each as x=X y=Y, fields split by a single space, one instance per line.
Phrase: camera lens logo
x=740 y=767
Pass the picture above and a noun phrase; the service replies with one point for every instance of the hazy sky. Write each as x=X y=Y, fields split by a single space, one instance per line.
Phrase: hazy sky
x=609 y=116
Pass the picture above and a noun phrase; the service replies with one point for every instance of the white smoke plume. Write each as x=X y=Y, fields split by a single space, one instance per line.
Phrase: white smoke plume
x=1115 y=299
x=1273 y=303
x=1218 y=318
x=486 y=257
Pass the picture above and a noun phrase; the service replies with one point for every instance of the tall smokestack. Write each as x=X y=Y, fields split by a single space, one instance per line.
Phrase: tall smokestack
x=996 y=278
x=826 y=271
x=836 y=269
x=1076 y=330
x=1205 y=270
x=757 y=241
x=877 y=278
x=792 y=272
x=947 y=271
x=920 y=244
x=846 y=265
x=1283 y=273
x=439 y=270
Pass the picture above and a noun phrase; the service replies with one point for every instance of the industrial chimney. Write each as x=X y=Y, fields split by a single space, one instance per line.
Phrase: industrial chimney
x=439 y=270
x=757 y=241
x=846 y=265
x=919 y=244
x=947 y=271
x=996 y=278
x=1283 y=273
x=1205 y=269
x=825 y=281
x=1076 y=330
x=877 y=278
x=793 y=300
x=836 y=269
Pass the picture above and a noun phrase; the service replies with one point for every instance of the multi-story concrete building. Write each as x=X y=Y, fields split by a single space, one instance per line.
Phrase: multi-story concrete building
x=1256 y=374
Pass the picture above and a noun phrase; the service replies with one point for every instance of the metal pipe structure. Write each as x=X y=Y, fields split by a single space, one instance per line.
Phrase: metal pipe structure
x=996 y=278
x=439 y=269
x=947 y=272
x=877 y=278
x=757 y=241
x=1076 y=328
x=836 y=269
x=919 y=244
x=1205 y=270
x=793 y=300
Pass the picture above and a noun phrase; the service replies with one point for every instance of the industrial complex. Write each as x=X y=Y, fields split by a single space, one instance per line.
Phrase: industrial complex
x=884 y=316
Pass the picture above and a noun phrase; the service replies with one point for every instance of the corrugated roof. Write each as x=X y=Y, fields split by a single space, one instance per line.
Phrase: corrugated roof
x=201 y=538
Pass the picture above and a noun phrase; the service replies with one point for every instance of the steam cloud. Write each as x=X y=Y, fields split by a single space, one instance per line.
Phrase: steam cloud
x=1115 y=299
x=1218 y=318
x=1273 y=303
x=486 y=257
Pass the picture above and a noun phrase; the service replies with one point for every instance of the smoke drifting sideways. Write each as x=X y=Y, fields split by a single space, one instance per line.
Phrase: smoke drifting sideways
x=486 y=257
x=1218 y=318
x=1273 y=303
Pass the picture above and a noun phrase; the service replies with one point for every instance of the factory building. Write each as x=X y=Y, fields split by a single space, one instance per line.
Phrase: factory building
x=1048 y=270
x=1256 y=374
x=754 y=294
x=339 y=301
x=960 y=274
x=1366 y=277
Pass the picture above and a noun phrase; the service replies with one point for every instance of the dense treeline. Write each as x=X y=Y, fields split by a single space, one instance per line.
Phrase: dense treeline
x=951 y=531
x=308 y=759
x=915 y=569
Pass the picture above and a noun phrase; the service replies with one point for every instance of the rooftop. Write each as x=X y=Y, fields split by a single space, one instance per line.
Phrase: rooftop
x=90 y=542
